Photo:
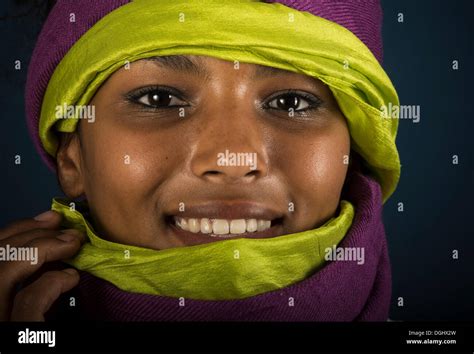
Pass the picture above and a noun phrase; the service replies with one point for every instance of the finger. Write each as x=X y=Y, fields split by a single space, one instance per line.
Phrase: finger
x=32 y=302
x=23 y=238
x=42 y=250
x=49 y=219
x=62 y=247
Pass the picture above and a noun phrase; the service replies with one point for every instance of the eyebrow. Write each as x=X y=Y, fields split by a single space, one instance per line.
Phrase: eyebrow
x=193 y=67
x=263 y=71
x=181 y=63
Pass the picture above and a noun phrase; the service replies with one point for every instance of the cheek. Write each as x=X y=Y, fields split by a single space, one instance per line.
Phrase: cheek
x=124 y=171
x=319 y=167
x=124 y=165
x=315 y=167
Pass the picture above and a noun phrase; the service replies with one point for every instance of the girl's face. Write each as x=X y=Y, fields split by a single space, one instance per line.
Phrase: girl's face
x=220 y=148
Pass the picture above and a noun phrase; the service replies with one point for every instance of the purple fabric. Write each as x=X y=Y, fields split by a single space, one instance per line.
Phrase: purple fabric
x=362 y=17
x=340 y=291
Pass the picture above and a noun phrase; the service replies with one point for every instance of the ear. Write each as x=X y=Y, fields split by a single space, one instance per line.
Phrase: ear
x=69 y=165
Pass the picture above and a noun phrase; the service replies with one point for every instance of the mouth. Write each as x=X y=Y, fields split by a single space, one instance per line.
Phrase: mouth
x=219 y=221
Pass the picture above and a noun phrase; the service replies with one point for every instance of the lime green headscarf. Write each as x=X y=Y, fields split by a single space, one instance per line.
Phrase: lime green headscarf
x=246 y=31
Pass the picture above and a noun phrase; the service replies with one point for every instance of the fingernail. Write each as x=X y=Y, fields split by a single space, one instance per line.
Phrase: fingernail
x=69 y=235
x=47 y=215
x=70 y=271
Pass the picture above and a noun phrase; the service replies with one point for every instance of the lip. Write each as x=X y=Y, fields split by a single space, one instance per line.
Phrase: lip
x=227 y=210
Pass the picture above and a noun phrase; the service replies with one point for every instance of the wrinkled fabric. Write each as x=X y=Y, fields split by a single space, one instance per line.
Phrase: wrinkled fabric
x=340 y=291
x=225 y=269
x=247 y=31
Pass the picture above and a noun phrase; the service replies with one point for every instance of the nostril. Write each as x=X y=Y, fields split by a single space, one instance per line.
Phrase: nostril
x=231 y=175
x=252 y=173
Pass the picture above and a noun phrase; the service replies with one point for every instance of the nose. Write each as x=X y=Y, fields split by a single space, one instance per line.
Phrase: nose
x=230 y=149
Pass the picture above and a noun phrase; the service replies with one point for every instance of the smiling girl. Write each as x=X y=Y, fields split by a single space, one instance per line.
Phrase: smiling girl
x=158 y=227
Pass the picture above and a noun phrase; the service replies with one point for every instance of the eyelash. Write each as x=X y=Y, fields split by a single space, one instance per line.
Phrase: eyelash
x=313 y=101
x=137 y=94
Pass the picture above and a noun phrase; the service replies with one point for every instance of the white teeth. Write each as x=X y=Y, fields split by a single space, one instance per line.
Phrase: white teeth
x=220 y=226
x=194 y=225
x=251 y=225
x=216 y=227
x=206 y=226
x=182 y=223
x=263 y=225
x=238 y=226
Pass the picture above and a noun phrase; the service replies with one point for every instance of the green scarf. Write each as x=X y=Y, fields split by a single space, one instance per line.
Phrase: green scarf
x=227 y=269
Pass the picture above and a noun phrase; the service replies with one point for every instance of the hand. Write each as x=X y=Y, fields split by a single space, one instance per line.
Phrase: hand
x=42 y=234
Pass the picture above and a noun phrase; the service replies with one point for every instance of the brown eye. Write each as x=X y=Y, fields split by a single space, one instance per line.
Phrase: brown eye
x=287 y=102
x=154 y=98
x=292 y=101
x=158 y=99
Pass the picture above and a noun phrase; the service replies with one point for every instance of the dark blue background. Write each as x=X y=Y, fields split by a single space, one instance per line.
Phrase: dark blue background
x=437 y=195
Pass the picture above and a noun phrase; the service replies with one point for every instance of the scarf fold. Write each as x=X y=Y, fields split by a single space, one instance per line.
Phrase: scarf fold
x=247 y=31
x=340 y=291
